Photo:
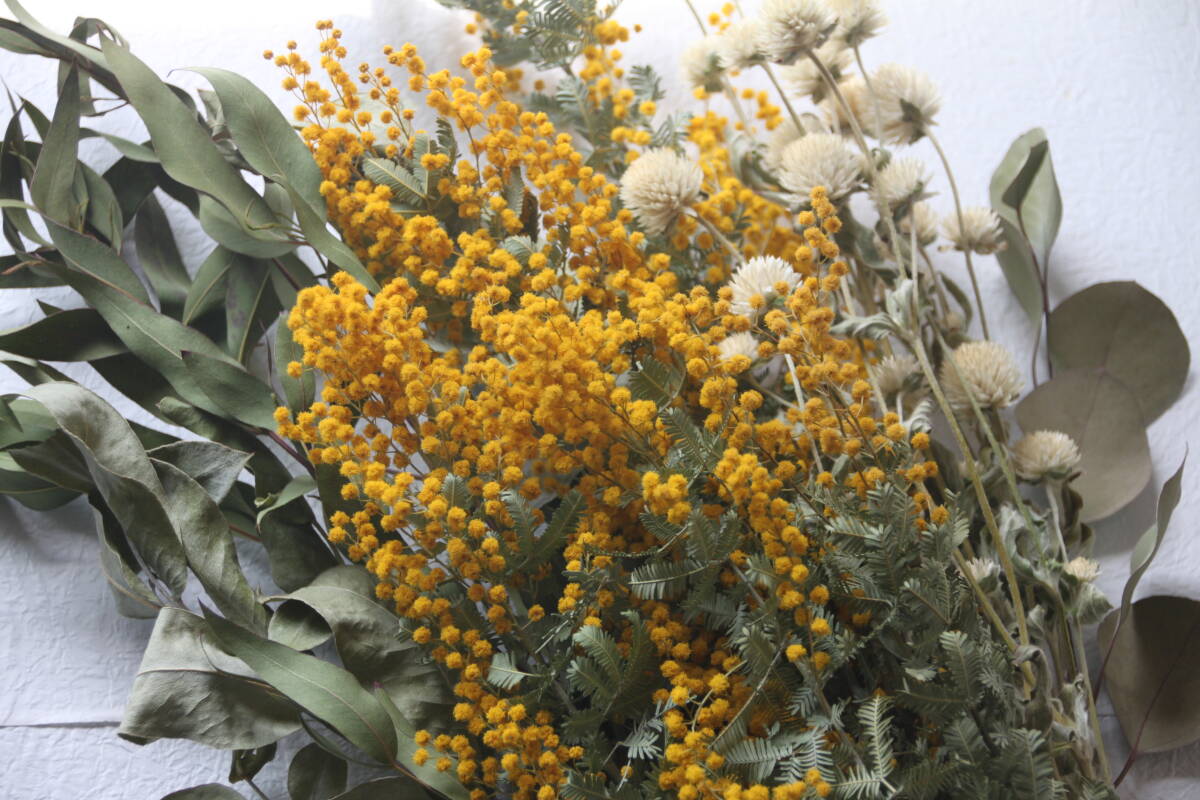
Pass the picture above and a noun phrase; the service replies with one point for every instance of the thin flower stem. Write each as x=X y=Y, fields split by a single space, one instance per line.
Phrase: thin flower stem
x=958 y=212
x=783 y=96
x=918 y=347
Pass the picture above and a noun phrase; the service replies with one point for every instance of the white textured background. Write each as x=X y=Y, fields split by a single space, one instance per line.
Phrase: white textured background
x=1112 y=82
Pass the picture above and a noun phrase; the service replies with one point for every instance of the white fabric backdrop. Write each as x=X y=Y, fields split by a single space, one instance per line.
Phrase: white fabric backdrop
x=1112 y=82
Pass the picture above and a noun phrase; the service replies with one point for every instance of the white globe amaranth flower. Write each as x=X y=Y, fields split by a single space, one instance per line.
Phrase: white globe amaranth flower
x=926 y=220
x=977 y=231
x=806 y=80
x=738 y=344
x=857 y=20
x=1045 y=455
x=1084 y=570
x=858 y=100
x=820 y=159
x=908 y=101
x=792 y=28
x=658 y=186
x=701 y=65
x=988 y=372
x=759 y=277
x=892 y=371
x=902 y=179
x=981 y=569
x=738 y=45
x=785 y=134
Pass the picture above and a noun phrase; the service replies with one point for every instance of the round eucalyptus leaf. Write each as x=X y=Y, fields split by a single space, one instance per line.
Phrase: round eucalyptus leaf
x=1153 y=674
x=1102 y=416
x=1126 y=331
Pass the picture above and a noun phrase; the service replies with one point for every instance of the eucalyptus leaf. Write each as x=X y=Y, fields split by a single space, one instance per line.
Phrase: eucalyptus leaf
x=1102 y=416
x=186 y=688
x=156 y=339
x=103 y=211
x=56 y=460
x=300 y=392
x=315 y=774
x=1114 y=327
x=186 y=150
x=29 y=490
x=208 y=546
x=1153 y=675
x=443 y=783
x=207 y=791
x=324 y=690
x=159 y=257
x=386 y=789
x=245 y=764
x=1029 y=198
x=89 y=257
x=1147 y=546
x=207 y=290
x=212 y=465
x=133 y=597
x=242 y=396
x=265 y=137
x=239 y=235
x=52 y=187
x=77 y=334
x=250 y=307
x=122 y=474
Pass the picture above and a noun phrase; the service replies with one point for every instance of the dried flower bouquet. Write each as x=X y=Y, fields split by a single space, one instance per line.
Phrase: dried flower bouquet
x=595 y=451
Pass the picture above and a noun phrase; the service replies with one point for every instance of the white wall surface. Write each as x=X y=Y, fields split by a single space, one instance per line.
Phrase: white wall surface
x=1112 y=82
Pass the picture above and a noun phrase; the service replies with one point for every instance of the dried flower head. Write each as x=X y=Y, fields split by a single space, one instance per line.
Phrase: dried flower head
x=858 y=99
x=738 y=46
x=820 y=159
x=926 y=220
x=738 y=344
x=892 y=371
x=981 y=568
x=978 y=230
x=908 y=101
x=1045 y=454
x=902 y=179
x=858 y=20
x=701 y=65
x=759 y=277
x=658 y=186
x=785 y=134
x=792 y=28
x=1082 y=569
x=806 y=80
x=988 y=372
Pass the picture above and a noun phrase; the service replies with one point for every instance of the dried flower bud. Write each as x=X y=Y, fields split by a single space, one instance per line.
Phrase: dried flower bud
x=701 y=65
x=806 y=80
x=1045 y=454
x=738 y=344
x=1084 y=570
x=978 y=231
x=908 y=101
x=658 y=186
x=758 y=277
x=738 y=46
x=988 y=374
x=893 y=371
x=902 y=179
x=981 y=569
x=858 y=20
x=820 y=159
x=927 y=225
x=792 y=28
